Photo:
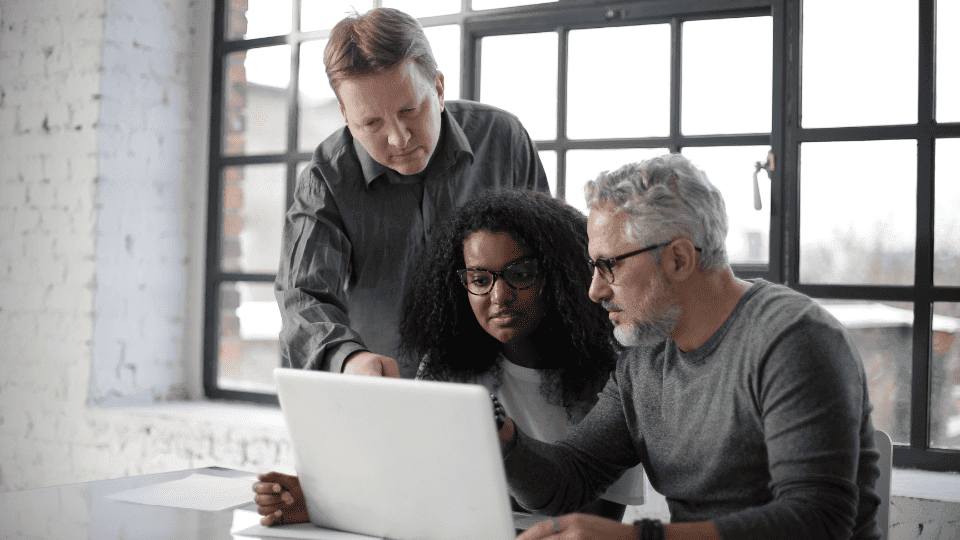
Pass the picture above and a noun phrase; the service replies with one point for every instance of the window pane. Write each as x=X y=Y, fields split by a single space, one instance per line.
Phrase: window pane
x=727 y=76
x=585 y=165
x=325 y=14
x=883 y=333
x=258 y=18
x=859 y=63
x=445 y=44
x=630 y=102
x=493 y=4
x=319 y=112
x=948 y=62
x=946 y=227
x=255 y=104
x=858 y=212
x=519 y=74
x=731 y=169
x=249 y=330
x=945 y=373
x=253 y=206
x=549 y=160
x=419 y=8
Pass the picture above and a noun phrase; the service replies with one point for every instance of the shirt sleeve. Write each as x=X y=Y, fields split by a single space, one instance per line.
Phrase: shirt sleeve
x=314 y=266
x=554 y=479
x=810 y=391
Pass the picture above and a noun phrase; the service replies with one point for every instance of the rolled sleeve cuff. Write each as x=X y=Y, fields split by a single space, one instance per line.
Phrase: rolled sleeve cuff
x=339 y=355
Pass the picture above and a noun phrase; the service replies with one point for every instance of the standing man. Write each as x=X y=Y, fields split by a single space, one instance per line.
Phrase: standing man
x=745 y=401
x=364 y=207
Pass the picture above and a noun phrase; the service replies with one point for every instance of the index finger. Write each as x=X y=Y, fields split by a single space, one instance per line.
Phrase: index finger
x=266 y=488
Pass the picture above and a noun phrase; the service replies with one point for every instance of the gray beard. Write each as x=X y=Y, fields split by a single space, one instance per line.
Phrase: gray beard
x=656 y=320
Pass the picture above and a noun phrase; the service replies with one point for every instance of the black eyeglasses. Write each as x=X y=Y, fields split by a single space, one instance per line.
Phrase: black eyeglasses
x=519 y=275
x=606 y=264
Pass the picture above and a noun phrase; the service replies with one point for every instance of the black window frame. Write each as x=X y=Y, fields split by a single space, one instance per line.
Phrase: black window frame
x=918 y=454
x=785 y=139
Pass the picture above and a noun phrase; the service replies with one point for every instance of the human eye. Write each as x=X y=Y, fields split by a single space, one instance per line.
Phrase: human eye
x=522 y=272
x=478 y=278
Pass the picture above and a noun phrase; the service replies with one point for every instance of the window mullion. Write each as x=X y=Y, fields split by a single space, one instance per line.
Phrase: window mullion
x=676 y=70
x=562 y=70
x=214 y=174
x=923 y=280
x=789 y=161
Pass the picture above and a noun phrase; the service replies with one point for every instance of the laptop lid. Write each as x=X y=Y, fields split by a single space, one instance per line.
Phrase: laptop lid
x=396 y=458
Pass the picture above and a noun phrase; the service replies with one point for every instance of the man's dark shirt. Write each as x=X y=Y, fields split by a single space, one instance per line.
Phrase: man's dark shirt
x=356 y=227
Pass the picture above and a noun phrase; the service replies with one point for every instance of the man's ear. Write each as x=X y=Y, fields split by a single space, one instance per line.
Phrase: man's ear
x=438 y=82
x=678 y=260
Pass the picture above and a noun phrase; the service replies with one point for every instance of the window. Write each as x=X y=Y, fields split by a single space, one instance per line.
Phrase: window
x=872 y=204
x=835 y=150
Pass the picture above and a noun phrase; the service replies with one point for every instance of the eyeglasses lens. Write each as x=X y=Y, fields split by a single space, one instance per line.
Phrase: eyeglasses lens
x=519 y=276
x=606 y=272
x=477 y=281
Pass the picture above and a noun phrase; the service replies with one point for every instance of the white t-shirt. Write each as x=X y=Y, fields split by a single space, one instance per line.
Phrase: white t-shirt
x=519 y=393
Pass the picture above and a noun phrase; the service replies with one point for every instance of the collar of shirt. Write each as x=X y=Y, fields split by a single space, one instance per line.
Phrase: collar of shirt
x=453 y=143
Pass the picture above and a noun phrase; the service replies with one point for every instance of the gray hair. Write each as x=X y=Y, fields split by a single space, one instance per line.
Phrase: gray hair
x=666 y=197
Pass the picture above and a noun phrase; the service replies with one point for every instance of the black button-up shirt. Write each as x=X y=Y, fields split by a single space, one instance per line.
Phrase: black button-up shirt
x=356 y=228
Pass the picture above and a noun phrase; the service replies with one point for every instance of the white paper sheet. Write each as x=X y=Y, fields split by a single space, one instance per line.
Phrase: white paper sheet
x=197 y=491
x=247 y=524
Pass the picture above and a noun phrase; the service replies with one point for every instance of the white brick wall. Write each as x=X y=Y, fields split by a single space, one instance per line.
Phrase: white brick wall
x=103 y=114
x=49 y=80
x=141 y=232
x=103 y=122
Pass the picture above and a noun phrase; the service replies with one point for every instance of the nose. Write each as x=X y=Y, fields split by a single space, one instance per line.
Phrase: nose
x=599 y=288
x=398 y=134
x=501 y=292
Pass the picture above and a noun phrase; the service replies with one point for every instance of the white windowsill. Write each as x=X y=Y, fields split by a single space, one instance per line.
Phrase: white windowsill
x=228 y=414
x=934 y=486
x=910 y=483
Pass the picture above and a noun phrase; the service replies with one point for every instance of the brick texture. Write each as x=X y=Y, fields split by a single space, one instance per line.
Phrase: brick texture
x=102 y=139
x=102 y=186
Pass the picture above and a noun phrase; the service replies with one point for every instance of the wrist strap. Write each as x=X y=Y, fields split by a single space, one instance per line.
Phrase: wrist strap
x=649 y=529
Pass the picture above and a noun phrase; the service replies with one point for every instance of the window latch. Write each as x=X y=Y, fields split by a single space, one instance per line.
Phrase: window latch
x=616 y=14
x=768 y=166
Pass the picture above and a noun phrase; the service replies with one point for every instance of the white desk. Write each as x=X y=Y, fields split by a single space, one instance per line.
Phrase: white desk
x=79 y=511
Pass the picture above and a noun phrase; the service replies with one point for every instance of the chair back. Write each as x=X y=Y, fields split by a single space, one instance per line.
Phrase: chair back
x=885 y=447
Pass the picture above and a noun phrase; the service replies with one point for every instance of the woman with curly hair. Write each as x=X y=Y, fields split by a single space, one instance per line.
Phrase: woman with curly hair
x=500 y=299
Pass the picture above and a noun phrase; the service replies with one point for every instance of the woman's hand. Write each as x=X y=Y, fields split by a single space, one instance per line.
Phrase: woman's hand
x=279 y=499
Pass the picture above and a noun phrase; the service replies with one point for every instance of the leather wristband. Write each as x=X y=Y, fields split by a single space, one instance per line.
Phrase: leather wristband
x=649 y=529
x=499 y=414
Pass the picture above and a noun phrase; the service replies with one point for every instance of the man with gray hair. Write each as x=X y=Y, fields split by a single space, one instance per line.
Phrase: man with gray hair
x=745 y=401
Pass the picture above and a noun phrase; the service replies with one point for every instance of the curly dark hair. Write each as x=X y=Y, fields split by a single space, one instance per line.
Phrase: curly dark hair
x=437 y=322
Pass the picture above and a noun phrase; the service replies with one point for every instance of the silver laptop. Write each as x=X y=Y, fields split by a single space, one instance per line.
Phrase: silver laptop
x=395 y=458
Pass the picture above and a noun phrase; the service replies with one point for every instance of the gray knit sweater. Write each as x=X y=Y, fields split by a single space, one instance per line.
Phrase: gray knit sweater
x=764 y=429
